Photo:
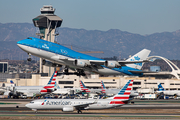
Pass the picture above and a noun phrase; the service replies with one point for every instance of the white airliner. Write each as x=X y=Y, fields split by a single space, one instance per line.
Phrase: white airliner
x=87 y=90
x=167 y=92
x=103 y=90
x=64 y=91
x=31 y=91
x=57 y=54
x=69 y=105
x=110 y=92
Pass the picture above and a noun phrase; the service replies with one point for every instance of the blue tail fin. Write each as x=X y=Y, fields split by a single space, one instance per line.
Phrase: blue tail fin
x=160 y=87
x=11 y=82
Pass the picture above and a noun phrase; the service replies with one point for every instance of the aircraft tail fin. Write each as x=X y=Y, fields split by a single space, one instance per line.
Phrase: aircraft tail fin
x=11 y=82
x=123 y=96
x=103 y=88
x=51 y=84
x=160 y=87
x=142 y=55
x=83 y=87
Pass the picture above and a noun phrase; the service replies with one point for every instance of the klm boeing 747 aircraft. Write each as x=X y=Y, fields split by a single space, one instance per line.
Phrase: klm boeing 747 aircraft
x=55 y=54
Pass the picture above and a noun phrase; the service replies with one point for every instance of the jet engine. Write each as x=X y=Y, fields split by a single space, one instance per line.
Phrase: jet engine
x=50 y=89
x=68 y=109
x=111 y=64
x=50 y=64
x=81 y=63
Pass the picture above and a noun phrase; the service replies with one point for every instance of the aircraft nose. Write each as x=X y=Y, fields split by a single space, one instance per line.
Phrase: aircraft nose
x=27 y=105
x=19 y=42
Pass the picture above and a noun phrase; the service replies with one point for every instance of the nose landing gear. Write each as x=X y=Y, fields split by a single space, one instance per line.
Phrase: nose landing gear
x=29 y=58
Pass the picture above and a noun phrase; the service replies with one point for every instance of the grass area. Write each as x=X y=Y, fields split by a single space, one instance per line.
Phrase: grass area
x=7 y=103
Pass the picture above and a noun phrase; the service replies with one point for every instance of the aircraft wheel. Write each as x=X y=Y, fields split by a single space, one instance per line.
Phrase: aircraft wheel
x=29 y=59
x=79 y=111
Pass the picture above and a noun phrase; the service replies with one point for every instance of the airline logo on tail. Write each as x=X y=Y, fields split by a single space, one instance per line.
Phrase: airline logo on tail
x=136 y=58
x=142 y=55
x=103 y=87
x=123 y=95
x=83 y=87
x=160 y=87
x=50 y=86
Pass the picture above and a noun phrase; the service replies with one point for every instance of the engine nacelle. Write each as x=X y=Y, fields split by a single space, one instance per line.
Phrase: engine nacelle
x=48 y=63
x=111 y=64
x=81 y=63
x=50 y=89
x=68 y=109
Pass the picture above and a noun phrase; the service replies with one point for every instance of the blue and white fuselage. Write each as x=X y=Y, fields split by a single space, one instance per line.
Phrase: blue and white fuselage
x=59 y=54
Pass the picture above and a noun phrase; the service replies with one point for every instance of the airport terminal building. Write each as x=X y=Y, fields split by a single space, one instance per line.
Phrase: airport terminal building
x=94 y=81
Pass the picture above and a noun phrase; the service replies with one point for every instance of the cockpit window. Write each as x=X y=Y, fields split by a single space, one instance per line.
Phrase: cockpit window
x=29 y=38
x=31 y=102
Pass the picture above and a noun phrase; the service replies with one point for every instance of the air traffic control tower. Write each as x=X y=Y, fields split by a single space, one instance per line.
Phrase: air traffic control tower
x=47 y=23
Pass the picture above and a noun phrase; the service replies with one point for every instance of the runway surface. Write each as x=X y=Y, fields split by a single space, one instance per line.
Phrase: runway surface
x=155 y=109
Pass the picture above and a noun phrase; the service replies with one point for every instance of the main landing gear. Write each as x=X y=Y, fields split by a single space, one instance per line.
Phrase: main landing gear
x=79 y=72
x=29 y=58
x=79 y=111
x=35 y=110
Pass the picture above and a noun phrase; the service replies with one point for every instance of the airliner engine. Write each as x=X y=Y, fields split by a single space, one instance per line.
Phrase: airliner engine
x=81 y=63
x=68 y=109
x=50 y=64
x=111 y=64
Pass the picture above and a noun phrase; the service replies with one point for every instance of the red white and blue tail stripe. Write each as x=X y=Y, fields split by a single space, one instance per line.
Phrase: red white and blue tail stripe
x=103 y=88
x=123 y=96
x=125 y=92
x=83 y=87
x=50 y=86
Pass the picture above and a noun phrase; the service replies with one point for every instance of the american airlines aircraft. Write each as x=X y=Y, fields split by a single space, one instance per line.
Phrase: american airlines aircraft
x=87 y=90
x=103 y=90
x=30 y=91
x=57 y=54
x=69 y=105
x=110 y=92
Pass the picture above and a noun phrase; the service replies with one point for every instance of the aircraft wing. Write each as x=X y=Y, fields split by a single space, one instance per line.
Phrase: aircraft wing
x=121 y=63
x=133 y=71
x=131 y=62
x=82 y=106
x=97 y=63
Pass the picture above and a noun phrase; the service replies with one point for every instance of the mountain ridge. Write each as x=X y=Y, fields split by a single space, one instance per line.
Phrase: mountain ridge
x=114 y=41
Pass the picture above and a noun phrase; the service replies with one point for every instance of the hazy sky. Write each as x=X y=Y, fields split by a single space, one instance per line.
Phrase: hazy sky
x=135 y=16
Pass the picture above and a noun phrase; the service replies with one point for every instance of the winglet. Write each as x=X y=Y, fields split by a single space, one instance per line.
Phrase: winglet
x=95 y=102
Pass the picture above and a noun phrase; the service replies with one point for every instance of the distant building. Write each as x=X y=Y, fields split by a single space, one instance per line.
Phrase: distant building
x=3 y=67
x=155 y=68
